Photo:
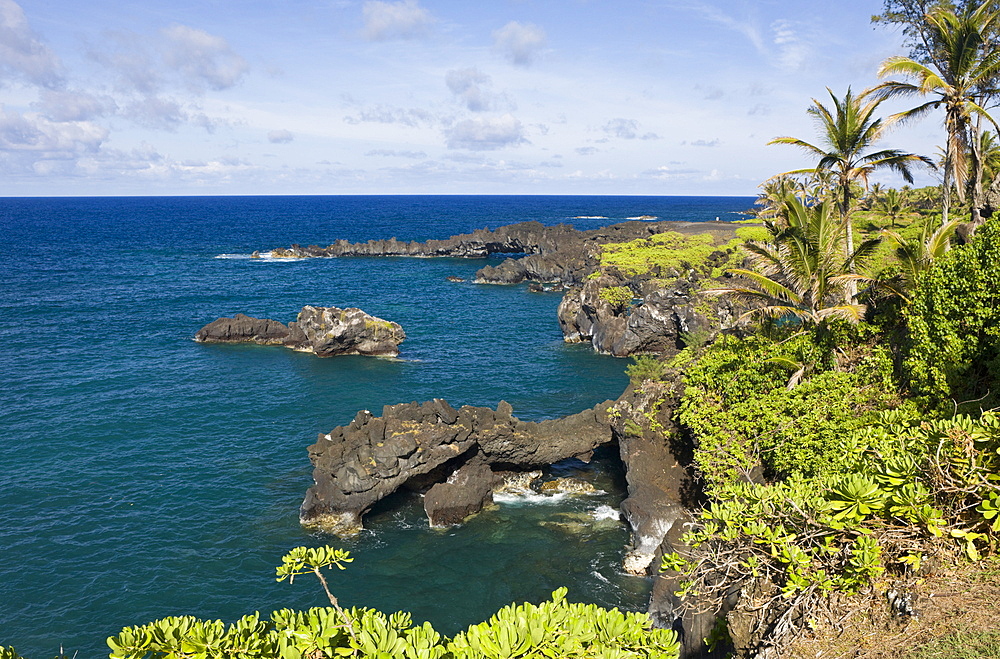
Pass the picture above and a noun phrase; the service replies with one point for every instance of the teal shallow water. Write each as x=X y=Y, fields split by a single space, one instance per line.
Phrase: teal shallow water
x=145 y=475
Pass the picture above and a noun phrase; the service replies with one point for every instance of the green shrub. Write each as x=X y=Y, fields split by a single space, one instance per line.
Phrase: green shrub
x=618 y=297
x=645 y=367
x=742 y=413
x=559 y=629
x=954 y=325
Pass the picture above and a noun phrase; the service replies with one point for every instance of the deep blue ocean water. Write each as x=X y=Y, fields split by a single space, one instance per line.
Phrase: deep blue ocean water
x=144 y=475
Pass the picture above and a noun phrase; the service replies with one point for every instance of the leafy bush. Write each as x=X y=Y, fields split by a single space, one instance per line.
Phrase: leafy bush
x=555 y=628
x=742 y=413
x=618 y=297
x=954 y=325
x=901 y=486
x=559 y=629
x=645 y=367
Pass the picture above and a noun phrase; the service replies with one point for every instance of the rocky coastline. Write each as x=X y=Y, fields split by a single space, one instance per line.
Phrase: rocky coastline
x=550 y=254
x=323 y=331
x=459 y=457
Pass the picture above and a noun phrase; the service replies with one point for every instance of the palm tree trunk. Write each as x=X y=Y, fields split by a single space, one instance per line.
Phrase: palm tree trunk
x=946 y=186
x=977 y=172
x=845 y=217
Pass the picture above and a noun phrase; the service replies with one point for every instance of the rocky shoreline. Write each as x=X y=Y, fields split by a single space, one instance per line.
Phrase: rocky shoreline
x=458 y=457
x=663 y=309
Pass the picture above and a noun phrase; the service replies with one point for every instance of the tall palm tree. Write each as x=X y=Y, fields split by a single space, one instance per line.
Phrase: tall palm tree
x=847 y=133
x=961 y=72
x=802 y=271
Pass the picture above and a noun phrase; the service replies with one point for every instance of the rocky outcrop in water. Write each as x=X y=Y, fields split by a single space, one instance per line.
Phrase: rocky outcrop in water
x=356 y=465
x=553 y=253
x=465 y=493
x=325 y=331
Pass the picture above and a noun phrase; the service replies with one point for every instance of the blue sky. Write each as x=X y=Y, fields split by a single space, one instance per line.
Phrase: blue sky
x=423 y=96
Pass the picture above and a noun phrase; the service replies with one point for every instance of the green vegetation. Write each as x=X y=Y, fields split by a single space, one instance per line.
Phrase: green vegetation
x=801 y=271
x=618 y=297
x=645 y=367
x=847 y=134
x=661 y=253
x=848 y=436
x=961 y=645
x=555 y=628
x=954 y=349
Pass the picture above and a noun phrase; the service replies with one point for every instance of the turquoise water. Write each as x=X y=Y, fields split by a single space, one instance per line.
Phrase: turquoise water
x=144 y=475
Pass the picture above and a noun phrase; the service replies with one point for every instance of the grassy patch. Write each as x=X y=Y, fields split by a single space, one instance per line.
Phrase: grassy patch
x=961 y=645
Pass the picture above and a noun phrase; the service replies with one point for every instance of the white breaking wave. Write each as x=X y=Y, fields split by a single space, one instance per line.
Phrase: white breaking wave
x=590 y=217
x=264 y=256
x=606 y=512
x=600 y=576
x=533 y=498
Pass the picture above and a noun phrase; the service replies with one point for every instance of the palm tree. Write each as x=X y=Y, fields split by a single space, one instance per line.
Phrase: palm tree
x=989 y=150
x=847 y=133
x=891 y=205
x=962 y=71
x=802 y=272
x=773 y=194
x=915 y=257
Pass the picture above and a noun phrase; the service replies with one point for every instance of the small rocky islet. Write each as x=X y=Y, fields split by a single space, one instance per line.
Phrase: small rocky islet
x=460 y=457
x=323 y=331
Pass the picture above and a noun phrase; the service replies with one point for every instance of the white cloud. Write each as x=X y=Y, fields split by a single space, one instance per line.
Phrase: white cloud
x=743 y=24
x=485 y=134
x=384 y=114
x=715 y=142
x=395 y=20
x=202 y=58
x=280 y=136
x=792 y=50
x=32 y=143
x=156 y=112
x=22 y=53
x=468 y=85
x=126 y=54
x=73 y=105
x=627 y=129
x=520 y=43
x=397 y=153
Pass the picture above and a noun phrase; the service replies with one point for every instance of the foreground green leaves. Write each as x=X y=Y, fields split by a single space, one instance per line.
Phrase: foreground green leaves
x=555 y=628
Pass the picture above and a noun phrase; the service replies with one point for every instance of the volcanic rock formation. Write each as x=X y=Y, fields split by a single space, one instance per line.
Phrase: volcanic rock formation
x=358 y=464
x=325 y=331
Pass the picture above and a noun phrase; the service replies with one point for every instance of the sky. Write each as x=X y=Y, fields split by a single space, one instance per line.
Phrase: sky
x=631 y=97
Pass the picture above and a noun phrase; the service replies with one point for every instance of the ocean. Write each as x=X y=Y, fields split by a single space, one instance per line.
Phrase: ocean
x=144 y=475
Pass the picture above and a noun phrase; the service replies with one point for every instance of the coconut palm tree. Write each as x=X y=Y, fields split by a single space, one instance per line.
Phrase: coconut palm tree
x=892 y=204
x=802 y=271
x=961 y=73
x=847 y=133
x=915 y=257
